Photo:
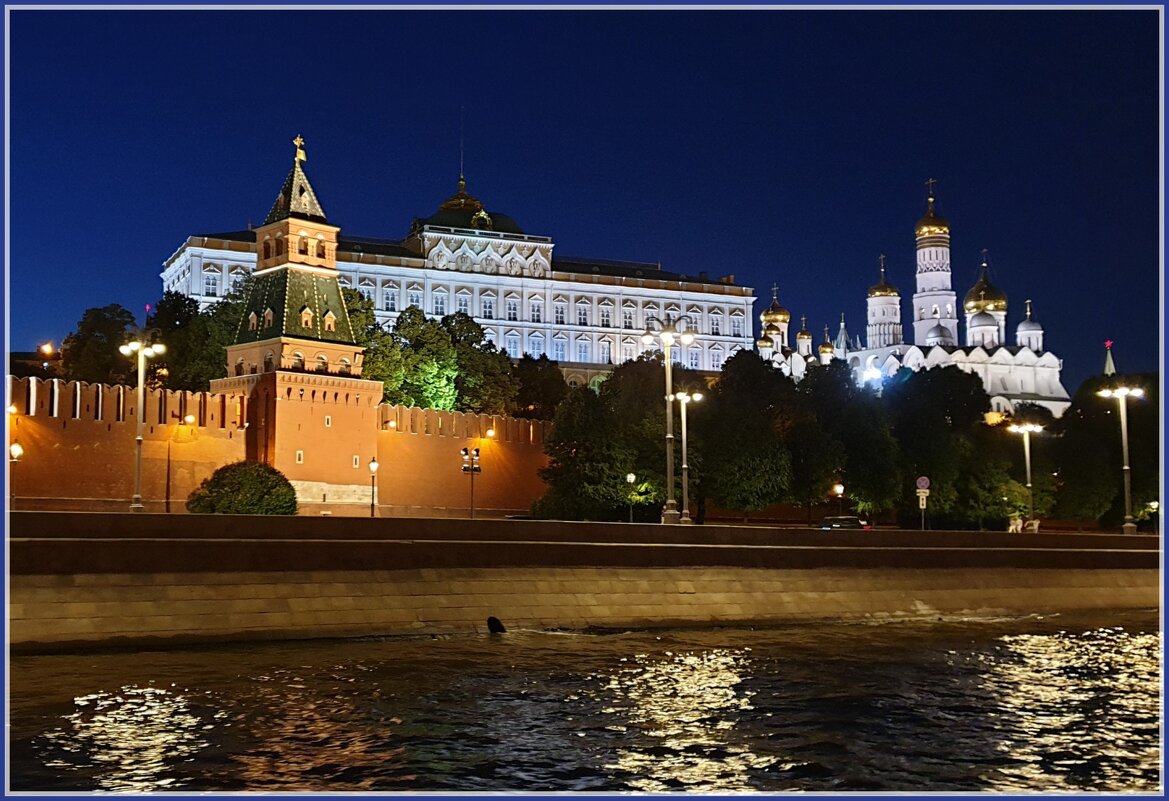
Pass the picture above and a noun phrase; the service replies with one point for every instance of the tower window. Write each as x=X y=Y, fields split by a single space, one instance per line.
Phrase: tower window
x=267 y=250
x=302 y=246
x=279 y=247
x=253 y=321
x=268 y=318
x=322 y=364
x=330 y=321
x=306 y=317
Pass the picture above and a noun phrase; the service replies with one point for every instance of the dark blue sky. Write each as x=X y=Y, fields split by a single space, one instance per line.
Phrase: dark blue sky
x=780 y=146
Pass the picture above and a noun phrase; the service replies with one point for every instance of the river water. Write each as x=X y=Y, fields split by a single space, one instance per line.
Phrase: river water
x=1035 y=704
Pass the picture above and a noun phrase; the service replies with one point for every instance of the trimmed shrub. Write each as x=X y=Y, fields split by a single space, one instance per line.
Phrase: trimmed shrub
x=244 y=488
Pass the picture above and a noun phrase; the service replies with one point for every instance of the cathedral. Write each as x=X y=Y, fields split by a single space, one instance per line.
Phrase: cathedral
x=1022 y=372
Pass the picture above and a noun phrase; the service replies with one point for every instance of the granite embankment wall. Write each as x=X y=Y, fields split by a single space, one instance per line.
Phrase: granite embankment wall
x=81 y=580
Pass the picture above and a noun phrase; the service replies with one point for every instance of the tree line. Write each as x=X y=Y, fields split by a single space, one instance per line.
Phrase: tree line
x=758 y=439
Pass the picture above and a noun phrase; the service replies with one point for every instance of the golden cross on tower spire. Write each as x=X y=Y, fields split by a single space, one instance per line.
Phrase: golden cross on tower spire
x=881 y=259
x=299 y=142
x=775 y=292
x=984 y=257
x=929 y=182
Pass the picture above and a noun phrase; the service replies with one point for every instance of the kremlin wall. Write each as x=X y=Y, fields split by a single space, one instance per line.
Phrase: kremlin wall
x=79 y=443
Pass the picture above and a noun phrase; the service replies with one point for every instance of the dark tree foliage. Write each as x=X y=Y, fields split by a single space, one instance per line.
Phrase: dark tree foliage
x=91 y=352
x=541 y=387
x=587 y=465
x=485 y=383
x=244 y=488
x=382 y=360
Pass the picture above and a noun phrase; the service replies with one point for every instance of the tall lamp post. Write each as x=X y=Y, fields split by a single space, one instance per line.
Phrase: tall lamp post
x=1154 y=507
x=667 y=333
x=373 y=466
x=838 y=489
x=15 y=451
x=684 y=400
x=143 y=352
x=630 y=478
x=471 y=466
x=1027 y=429
x=1122 y=394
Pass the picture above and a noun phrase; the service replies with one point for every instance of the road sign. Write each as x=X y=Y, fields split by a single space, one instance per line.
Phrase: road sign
x=923 y=482
x=922 y=493
x=920 y=501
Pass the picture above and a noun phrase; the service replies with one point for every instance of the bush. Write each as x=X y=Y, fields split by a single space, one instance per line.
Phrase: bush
x=244 y=488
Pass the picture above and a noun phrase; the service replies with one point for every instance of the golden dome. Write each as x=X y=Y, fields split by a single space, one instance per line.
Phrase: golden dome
x=804 y=333
x=775 y=313
x=826 y=345
x=932 y=224
x=883 y=289
x=984 y=296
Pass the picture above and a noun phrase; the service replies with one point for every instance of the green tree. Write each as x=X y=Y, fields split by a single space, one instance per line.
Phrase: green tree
x=91 y=352
x=244 y=488
x=541 y=387
x=383 y=359
x=429 y=362
x=484 y=382
x=587 y=464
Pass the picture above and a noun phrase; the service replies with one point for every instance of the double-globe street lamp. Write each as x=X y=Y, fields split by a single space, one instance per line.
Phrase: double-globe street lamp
x=143 y=352
x=1027 y=429
x=1122 y=394
x=685 y=399
x=630 y=479
x=667 y=333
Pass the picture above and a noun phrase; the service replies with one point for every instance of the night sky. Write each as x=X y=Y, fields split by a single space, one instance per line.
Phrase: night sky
x=785 y=147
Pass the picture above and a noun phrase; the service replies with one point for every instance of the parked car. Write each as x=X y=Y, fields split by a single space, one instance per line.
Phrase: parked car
x=845 y=521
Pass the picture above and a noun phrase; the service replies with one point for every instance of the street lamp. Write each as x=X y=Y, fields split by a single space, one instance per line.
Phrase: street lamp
x=15 y=451
x=1027 y=429
x=373 y=466
x=1154 y=506
x=630 y=478
x=1122 y=393
x=667 y=333
x=838 y=488
x=471 y=467
x=684 y=400
x=143 y=352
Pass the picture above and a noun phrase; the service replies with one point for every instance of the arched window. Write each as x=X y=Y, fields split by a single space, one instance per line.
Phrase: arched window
x=344 y=367
x=239 y=366
x=269 y=364
x=253 y=321
x=267 y=250
x=302 y=246
x=330 y=321
x=319 y=250
x=279 y=247
x=306 y=317
x=322 y=363
x=268 y=318
x=298 y=361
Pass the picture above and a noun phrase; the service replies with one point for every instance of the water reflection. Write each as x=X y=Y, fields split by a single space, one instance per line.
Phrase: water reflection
x=690 y=705
x=129 y=740
x=1071 y=706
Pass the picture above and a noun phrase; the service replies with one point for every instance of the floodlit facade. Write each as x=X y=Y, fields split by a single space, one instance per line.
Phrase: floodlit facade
x=586 y=314
x=1011 y=373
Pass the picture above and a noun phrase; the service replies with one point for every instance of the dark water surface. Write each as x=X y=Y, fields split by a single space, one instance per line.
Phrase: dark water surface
x=1054 y=704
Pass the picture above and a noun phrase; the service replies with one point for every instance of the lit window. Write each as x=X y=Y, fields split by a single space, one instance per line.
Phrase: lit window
x=694 y=359
x=715 y=325
x=488 y=308
x=464 y=303
x=582 y=351
x=559 y=346
x=211 y=285
x=736 y=327
x=440 y=304
x=559 y=310
x=606 y=317
x=537 y=348
x=390 y=299
x=414 y=298
x=627 y=318
x=537 y=312
x=513 y=346
x=582 y=315
x=606 y=352
x=628 y=352
x=513 y=310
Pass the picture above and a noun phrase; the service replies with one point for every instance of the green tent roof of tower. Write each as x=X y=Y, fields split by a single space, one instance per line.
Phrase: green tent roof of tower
x=296 y=199
x=288 y=294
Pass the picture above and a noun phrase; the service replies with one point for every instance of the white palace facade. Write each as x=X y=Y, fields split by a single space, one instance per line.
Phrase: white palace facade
x=586 y=314
x=1012 y=373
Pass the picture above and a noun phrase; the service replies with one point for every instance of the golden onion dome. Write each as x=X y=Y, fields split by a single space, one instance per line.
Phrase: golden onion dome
x=826 y=345
x=932 y=224
x=883 y=289
x=984 y=296
x=804 y=333
x=775 y=313
x=763 y=343
x=772 y=330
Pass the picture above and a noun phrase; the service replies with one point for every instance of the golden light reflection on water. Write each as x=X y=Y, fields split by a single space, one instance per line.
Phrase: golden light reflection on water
x=690 y=703
x=129 y=739
x=1071 y=707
